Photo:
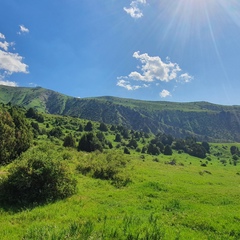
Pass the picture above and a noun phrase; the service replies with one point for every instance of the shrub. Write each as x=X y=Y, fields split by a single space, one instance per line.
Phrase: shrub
x=56 y=132
x=106 y=167
x=36 y=180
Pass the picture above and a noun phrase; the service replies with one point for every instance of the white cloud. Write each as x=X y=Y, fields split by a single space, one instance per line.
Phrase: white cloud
x=165 y=93
x=2 y=36
x=134 y=10
x=153 y=69
x=8 y=83
x=4 y=45
x=32 y=84
x=23 y=29
x=127 y=85
x=185 y=77
x=12 y=63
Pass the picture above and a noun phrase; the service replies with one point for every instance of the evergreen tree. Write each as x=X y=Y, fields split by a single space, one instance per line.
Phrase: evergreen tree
x=132 y=144
x=153 y=149
x=89 y=143
x=69 y=141
x=7 y=137
x=103 y=127
x=206 y=146
x=88 y=127
x=80 y=128
x=126 y=150
x=15 y=134
x=118 y=138
x=23 y=133
x=167 y=150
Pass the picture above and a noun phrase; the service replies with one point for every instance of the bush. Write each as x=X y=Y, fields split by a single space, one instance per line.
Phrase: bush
x=36 y=180
x=106 y=167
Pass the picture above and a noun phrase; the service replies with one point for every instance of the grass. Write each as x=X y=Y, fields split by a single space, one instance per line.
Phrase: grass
x=163 y=201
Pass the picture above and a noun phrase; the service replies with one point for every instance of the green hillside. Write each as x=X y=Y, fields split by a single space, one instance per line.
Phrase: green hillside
x=55 y=187
x=203 y=120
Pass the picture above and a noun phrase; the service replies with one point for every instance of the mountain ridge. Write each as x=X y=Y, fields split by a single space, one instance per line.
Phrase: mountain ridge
x=203 y=120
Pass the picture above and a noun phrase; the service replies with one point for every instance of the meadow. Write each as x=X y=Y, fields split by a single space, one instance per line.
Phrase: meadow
x=162 y=201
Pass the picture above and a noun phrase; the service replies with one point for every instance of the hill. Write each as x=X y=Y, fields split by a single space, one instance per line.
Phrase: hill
x=55 y=189
x=203 y=120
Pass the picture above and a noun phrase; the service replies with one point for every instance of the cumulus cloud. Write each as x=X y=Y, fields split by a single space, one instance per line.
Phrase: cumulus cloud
x=135 y=8
x=153 y=70
x=8 y=83
x=185 y=77
x=23 y=29
x=127 y=85
x=165 y=93
x=5 y=45
x=10 y=62
x=2 y=36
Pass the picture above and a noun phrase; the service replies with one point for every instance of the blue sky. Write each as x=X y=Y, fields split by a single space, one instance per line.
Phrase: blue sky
x=161 y=50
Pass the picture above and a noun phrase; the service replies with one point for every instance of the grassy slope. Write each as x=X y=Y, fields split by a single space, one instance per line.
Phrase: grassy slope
x=182 y=201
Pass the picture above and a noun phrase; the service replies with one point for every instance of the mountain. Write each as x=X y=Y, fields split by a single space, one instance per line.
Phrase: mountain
x=203 y=120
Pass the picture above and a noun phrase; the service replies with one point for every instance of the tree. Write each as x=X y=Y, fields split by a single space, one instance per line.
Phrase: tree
x=69 y=141
x=197 y=150
x=132 y=144
x=179 y=144
x=89 y=143
x=144 y=149
x=153 y=149
x=234 y=150
x=167 y=150
x=103 y=127
x=7 y=137
x=118 y=138
x=126 y=150
x=40 y=118
x=113 y=128
x=100 y=137
x=56 y=132
x=125 y=133
x=80 y=128
x=31 y=113
x=206 y=146
x=88 y=127
x=23 y=133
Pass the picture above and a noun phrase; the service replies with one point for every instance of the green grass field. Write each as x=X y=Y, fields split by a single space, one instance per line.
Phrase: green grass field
x=162 y=201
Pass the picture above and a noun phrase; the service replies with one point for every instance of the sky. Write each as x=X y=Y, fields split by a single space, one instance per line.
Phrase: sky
x=158 y=50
